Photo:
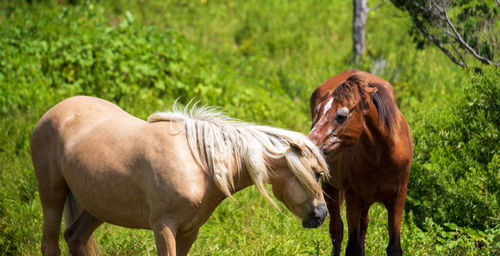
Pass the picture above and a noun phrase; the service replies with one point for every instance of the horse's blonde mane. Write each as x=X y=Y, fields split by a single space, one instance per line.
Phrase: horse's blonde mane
x=219 y=143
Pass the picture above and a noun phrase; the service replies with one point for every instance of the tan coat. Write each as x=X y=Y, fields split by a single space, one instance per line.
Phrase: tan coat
x=132 y=173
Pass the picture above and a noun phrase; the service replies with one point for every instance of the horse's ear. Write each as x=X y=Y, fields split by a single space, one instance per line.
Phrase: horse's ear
x=361 y=81
x=296 y=147
x=370 y=89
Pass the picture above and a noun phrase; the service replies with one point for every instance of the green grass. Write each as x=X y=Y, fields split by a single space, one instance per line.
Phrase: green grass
x=251 y=226
x=259 y=61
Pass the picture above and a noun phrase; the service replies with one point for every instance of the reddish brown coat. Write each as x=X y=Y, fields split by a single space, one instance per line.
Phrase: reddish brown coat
x=369 y=149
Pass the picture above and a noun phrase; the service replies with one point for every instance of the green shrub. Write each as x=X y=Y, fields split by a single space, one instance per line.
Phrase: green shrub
x=51 y=54
x=450 y=239
x=455 y=175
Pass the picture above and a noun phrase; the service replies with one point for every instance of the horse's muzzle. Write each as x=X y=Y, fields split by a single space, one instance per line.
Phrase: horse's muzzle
x=316 y=217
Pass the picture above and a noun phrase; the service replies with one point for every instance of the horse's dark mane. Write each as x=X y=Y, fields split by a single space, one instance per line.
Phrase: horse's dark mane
x=348 y=93
x=352 y=92
x=386 y=107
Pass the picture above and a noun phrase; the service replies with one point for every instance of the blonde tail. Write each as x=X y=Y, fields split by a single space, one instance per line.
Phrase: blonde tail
x=71 y=212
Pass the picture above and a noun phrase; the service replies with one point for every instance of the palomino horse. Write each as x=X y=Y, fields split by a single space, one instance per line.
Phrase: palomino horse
x=167 y=174
x=368 y=147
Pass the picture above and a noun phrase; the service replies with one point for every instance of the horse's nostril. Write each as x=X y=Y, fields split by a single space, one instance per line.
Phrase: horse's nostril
x=316 y=217
x=321 y=210
x=323 y=150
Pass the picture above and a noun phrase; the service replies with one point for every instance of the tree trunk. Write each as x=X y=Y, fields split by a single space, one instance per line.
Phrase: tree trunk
x=358 y=27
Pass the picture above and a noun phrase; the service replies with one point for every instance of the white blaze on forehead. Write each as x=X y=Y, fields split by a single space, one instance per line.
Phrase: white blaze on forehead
x=312 y=130
x=320 y=122
x=328 y=106
x=316 y=125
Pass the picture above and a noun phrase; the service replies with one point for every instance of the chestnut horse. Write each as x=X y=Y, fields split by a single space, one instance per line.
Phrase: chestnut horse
x=368 y=147
x=167 y=174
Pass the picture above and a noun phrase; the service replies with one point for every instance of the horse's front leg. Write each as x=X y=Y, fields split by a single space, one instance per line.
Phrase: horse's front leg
x=165 y=239
x=356 y=224
x=395 y=214
x=363 y=225
x=333 y=200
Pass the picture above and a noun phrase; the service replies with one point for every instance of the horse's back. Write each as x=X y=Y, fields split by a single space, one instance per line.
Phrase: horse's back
x=76 y=112
x=63 y=122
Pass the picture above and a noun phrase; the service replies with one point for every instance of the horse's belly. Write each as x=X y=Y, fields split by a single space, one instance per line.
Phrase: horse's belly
x=116 y=209
x=109 y=196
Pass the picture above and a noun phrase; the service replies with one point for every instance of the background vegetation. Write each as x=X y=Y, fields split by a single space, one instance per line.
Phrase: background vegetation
x=259 y=61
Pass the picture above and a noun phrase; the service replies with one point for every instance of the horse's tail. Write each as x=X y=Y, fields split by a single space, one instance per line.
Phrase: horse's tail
x=71 y=213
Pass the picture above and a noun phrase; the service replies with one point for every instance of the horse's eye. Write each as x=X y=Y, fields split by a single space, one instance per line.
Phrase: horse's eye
x=318 y=176
x=341 y=115
x=340 y=118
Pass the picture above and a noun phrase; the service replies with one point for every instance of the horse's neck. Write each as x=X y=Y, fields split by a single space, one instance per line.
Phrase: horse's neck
x=375 y=140
x=214 y=195
x=241 y=179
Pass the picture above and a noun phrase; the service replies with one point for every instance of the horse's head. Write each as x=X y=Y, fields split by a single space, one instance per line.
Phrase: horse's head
x=225 y=148
x=295 y=182
x=339 y=119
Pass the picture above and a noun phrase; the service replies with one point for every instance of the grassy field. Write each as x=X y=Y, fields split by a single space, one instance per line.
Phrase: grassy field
x=259 y=61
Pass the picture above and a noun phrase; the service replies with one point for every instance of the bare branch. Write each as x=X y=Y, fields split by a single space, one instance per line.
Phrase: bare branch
x=457 y=53
x=431 y=18
x=461 y=41
x=380 y=5
x=440 y=9
x=438 y=43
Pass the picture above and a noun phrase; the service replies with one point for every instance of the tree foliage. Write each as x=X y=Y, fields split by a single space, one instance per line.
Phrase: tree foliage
x=460 y=28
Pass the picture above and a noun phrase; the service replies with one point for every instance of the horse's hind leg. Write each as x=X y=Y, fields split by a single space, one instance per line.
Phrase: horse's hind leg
x=52 y=187
x=79 y=233
x=53 y=191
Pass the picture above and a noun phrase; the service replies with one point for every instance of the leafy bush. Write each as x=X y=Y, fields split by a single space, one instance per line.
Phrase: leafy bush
x=69 y=51
x=455 y=176
x=450 y=239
